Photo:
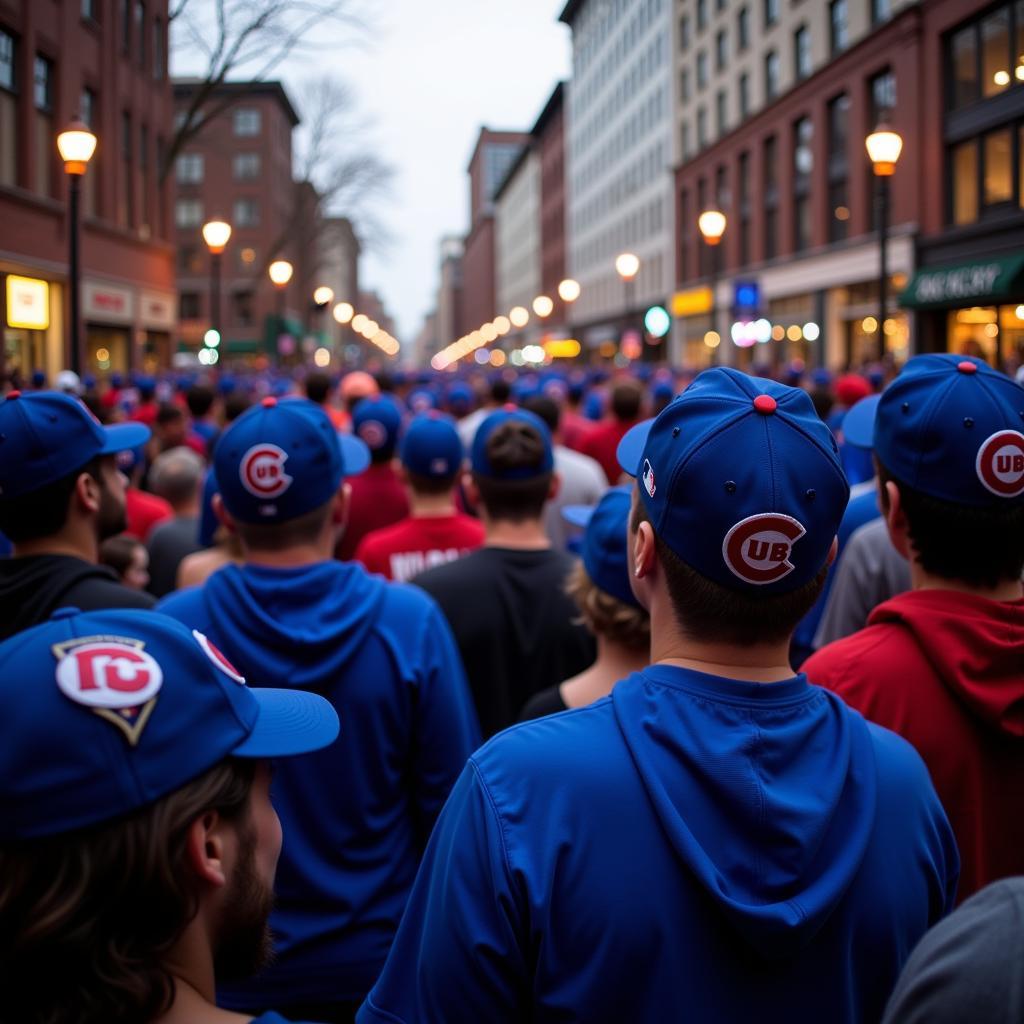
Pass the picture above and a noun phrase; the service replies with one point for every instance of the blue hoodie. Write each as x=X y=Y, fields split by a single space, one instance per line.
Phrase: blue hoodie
x=689 y=848
x=357 y=815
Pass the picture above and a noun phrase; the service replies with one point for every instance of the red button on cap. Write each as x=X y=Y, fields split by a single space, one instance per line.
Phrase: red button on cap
x=765 y=404
x=967 y=367
x=14 y=394
x=269 y=402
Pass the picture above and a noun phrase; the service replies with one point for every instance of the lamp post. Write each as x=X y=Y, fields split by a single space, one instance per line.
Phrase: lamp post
x=216 y=234
x=627 y=266
x=76 y=145
x=884 y=147
x=280 y=272
x=712 y=226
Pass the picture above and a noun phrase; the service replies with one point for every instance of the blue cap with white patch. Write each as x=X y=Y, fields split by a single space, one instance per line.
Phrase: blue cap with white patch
x=742 y=480
x=510 y=414
x=431 y=447
x=376 y=422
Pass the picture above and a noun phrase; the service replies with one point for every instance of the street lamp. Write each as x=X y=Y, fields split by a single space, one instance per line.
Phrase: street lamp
x=884 y=147
x=76 y=145
x=323 y=296
x=712 y=226
x=280 y=272
x=216 y=234
x=343 y=312
x=627 y=266
x=543 y=306
x=569 y=290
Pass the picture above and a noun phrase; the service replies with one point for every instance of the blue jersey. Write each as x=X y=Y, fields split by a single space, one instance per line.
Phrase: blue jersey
x=356 y=816
x=689 y=848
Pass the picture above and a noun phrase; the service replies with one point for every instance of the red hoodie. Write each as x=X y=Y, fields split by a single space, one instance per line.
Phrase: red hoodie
x=946 y=671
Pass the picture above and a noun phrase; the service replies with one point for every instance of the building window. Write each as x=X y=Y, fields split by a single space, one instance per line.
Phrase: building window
x=189 y=261
x=7 y=72
x=883 y=98
x=803 y=166
x=684 y=34
x=962 y=61
x=802 y=52
x=702 y=15
x=89 y=9
x=702 y=128
x=964 y=183
x=158 y=49
x=124 y=15
x=246 y=166
x=241 y=308
x=743 y=188
x=771 y=12
x=838 y=26
x=995 y=52
x=998 y=176
x=771 y=75
x=684 y=85
x=42 y=84
x=880 y=10
x=87 y=108
x=744 y=90
x=140 y=33
x=42 y=95
x=126 y=193
x=721 y=51
x=684 y=233
x=189 y=168
x=770 y=157
x=188 y=306
x=742 y=29
x=247 y=213
x=702 y=70
x=188 y=213
x=88 y=111
x=720 y=112
x=838 y=168
x=246 y=121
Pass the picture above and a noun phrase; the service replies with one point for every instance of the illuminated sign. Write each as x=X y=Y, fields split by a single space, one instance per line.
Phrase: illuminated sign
x=691 y=302
x=28 y=303
x=565 y=348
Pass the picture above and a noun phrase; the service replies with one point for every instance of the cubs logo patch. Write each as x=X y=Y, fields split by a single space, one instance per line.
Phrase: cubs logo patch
x=262 y=471
x=374 y=433
x=439 y=467
x=758 y=549
x=648 y=478
x=112 y=676
x=1000 y=464
x=214 y=653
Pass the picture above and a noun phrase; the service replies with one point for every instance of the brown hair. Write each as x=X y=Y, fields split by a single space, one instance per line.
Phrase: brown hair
x=514 y=446
x=607 y=616
x=86 y=918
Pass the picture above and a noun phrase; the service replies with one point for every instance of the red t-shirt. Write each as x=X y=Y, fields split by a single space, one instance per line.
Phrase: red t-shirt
x=378 y=499
x=602 y=443
x=574 y=428
x=946 y=671
x=143 y=511
x=404 y=550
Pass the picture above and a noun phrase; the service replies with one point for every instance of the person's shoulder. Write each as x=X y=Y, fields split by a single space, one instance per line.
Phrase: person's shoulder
x=455 y=573
x=183 y=605
x=381 y=540
x=97 y=592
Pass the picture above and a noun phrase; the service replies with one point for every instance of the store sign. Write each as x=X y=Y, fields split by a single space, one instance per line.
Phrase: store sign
x=157 y=310
x=691 y=302
x=962 y=283
x=106 y=303
x=746 y=296
x=28 y=303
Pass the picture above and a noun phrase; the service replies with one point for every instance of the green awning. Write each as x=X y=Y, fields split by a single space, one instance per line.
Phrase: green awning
x=978 y=283
x=242 y=345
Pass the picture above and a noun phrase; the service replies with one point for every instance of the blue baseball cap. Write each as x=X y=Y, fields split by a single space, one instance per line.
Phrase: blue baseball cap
x=109 y=711
x=431 y=447
x=859 y=423
x=460 y=396
x=605 y=548
x=46 y=435
x=510 y=414
x=377 y=421
x=421 y=400
x=283 y=458
x=741 y=480
x=952 y=427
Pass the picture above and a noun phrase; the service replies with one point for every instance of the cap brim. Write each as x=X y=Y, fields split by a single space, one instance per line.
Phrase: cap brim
x=631 y=447
x=859 y=423
x=123 y=436
x=289 y=722
x=578 y=515
x=355 y=454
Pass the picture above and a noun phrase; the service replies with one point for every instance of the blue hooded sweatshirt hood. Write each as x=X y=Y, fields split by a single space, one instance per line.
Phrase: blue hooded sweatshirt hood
x=770 y=803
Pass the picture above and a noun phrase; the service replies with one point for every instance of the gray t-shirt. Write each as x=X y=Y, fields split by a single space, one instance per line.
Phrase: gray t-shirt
x=168 y=544
x=870 y=572
x=582 y=482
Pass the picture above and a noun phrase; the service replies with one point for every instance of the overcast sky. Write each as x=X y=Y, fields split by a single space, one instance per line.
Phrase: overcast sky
x=430 y=75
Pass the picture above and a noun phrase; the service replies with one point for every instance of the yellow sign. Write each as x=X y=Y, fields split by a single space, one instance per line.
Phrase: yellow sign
x=691 y=302
x=564 y=348
x=28 y=303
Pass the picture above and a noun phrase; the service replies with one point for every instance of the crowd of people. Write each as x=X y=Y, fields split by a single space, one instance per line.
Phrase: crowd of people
x=582 y=695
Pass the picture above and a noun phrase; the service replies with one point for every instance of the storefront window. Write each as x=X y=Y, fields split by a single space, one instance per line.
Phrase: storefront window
x=965 y=183
x=998 y=181
x=863 y=339
x=995 y=52
x=963 y=55
x=23 y=352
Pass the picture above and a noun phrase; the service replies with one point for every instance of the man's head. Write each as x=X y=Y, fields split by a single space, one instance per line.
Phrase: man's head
x=546 y=409
x=627 y=399
x=170 y=426
x=318 y=387
x=280 y=470
x=377 y=422
x=357 y=386
x=200 y=399
x=948 y=437
x=135 y=821
x=58 y=469
x=431 y=455
x=512 y=466
x=738 y=498
x=177 y=477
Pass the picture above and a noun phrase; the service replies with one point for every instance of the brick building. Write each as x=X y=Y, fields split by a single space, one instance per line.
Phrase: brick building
x=549 y=136
x=239 y=168
x=105 y=62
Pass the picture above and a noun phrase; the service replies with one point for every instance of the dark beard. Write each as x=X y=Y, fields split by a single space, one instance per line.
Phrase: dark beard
x=244 y=943
x=112 y=518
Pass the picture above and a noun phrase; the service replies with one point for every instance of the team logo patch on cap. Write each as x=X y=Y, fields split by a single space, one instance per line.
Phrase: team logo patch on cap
x=757 y=549
x=262 y=471
x=374 y=433
x=648 y=478
x=439 y=467
x=214 y=653
x=1000 y=464
x=114 y=677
